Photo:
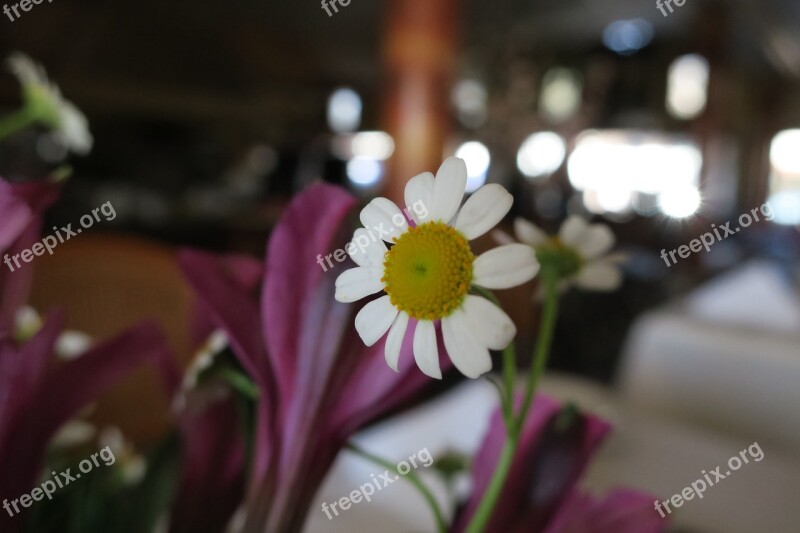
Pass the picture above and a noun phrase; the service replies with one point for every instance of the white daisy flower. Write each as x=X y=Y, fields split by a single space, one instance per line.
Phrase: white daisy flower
x=46 y=105
x=428 y=272
x=577 y=254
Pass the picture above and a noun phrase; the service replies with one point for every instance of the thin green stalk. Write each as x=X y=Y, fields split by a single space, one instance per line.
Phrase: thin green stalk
x=510 y=378
x=16 y=121
x=413 y=478
x=486 y=507
x=543 y=343
x=484 y=511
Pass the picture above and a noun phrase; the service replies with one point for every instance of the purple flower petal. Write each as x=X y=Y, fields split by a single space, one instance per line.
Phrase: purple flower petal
x=212 y=480
x=553 y=452
x=620 y=511
x=292 y=277
x=54 y=395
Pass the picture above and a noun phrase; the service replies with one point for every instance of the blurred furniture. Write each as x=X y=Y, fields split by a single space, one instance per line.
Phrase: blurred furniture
x=707 y=377
x=105 y=284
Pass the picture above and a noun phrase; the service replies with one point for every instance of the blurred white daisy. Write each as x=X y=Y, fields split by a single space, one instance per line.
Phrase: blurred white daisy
x=577 y=255
x=428 y=272
x=44 y=104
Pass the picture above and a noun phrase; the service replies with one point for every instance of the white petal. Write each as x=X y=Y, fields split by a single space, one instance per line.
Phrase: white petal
x=599 y=276
x=366 y=250
x=483 y=210
x=419 y=197
x=505 y=266
x=426 y=351
x=384 y=219
x=488 y=323
x=357 y=283
x=597 y=240
x=27 y=70
x=529 y=233
x=374 y=320
x=73 y=129
x=502 y=237
x=448 y=189
x=572 y=230
x=394 y=341
x=468 y=355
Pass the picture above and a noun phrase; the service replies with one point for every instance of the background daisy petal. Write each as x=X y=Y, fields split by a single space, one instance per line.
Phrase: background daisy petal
x=501 y=237
x=490 y=325
x=419 y=191
x=426 y=351
x=468 y=355
x=599 y=276
x=483 y=210
x=528 y=232
x=597 y=240
x=384 y=219
x=357 y=283
x=375 y=319
x=366 y=250
x=394 y=341
x=505 y=266
x=448 y=189
x=572 y=231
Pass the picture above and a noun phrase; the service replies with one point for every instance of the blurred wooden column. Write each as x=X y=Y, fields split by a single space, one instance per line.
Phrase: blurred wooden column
x=419 y=55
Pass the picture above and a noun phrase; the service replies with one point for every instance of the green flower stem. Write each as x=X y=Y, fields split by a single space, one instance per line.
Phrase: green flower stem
x=514 y=428
x=492 y=494
x=413 y=478
x=509 y=377
x=16 y=121
x=543 y=343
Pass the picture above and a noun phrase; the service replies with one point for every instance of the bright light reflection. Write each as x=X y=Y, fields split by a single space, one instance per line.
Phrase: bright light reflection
x=344 y=110
x=626 y=37
x=541 y=154
x=786 y=206
x=373 y=144
x=680 y=202
x=687 y=86
x=562 y=92
x=612 y=167
x=784 y=153
x=364 y=172
x=477 y=157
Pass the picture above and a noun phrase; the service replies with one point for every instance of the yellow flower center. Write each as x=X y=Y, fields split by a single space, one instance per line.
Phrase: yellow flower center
x=428 y=271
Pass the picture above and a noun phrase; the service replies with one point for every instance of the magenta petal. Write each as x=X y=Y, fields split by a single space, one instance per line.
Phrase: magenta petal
x=225 y=302
x=22 y=371
x=516 y=487
x=306 y=231
x=21 y=208
x=548 y=463
x=373 y=389
x=212 y=479
x=15 y=286
x=63 y=392
x=20 y=205
x=620 y=511
x=230 y=307
x=15 y=215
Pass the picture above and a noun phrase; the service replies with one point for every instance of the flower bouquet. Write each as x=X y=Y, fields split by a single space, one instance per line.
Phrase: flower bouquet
x=292 y=365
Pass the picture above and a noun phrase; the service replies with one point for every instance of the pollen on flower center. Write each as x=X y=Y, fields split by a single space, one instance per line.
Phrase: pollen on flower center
x=428 y=271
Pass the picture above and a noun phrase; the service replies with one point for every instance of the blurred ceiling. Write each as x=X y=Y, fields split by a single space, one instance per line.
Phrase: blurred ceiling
x=271 y=64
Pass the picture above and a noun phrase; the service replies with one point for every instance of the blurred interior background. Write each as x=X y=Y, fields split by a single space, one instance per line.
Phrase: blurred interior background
x=209 y=116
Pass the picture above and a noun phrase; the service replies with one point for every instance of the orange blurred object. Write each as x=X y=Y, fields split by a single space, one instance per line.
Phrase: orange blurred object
x=106 y=284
